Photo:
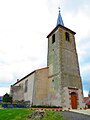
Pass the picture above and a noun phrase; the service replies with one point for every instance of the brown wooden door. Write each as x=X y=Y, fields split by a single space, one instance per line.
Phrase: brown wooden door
x=74 y=100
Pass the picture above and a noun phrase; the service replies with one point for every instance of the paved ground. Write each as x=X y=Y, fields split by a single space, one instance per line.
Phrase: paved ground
x=74 y=116
x=86 y=112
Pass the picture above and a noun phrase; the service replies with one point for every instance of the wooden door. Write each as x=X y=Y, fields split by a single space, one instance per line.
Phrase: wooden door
x=74 y=100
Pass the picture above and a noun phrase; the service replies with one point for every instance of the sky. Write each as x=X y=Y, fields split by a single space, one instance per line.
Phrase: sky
x=24 y=26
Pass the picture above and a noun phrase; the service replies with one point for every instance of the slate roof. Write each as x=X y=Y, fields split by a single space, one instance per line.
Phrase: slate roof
x=59 y=20
x=28 y=75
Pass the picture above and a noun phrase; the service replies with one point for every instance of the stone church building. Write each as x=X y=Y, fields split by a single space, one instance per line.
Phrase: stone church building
x=58 y=84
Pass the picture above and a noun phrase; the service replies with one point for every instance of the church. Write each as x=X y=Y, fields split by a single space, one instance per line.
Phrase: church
x=58 y=84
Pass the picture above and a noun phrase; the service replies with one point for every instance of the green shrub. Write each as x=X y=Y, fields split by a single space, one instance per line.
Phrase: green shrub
x=45 y=106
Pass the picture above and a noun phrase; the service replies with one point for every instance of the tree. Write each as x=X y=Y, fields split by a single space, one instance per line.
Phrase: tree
x=7 y=98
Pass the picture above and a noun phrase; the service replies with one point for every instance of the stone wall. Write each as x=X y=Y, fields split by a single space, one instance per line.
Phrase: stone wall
x=41 y=87
x=54 y=70
x=18 y=89
x=70 y=66
x=28 y=95
x=17 y=93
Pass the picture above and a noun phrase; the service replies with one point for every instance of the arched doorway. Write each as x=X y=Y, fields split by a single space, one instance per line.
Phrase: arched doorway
x=74 y=100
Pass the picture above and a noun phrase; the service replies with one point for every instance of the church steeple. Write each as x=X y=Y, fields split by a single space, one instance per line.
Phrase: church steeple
x=59 y=19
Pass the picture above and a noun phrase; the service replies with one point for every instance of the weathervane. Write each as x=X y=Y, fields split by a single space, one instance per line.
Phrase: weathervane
x=59 y=9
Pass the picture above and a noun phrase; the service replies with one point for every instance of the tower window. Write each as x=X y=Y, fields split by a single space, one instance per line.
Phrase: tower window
x=53 y=38
x=67 y=36
x=52 y=80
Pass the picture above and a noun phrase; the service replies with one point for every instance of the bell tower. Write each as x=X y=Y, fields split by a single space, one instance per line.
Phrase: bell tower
x=65 y=88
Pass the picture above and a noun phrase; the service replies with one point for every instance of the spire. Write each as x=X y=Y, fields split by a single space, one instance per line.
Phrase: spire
x=60 y=20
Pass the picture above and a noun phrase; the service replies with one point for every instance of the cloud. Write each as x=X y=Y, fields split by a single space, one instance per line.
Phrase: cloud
x=23 y=41
x=85 y=68
x=78 y=23
x=85 y=93
x=4 y=90
x=74 y=6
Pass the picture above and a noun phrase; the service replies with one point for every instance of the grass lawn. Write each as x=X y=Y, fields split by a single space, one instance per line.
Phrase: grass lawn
x=53 y=115
x=21 y=114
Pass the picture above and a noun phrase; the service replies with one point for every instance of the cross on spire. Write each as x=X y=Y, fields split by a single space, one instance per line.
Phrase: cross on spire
x=59 y=9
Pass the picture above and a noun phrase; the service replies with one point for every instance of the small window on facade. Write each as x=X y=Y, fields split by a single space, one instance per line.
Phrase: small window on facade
x=53 y=38
x=52 y=80
x=26 y=85
x=67 y=36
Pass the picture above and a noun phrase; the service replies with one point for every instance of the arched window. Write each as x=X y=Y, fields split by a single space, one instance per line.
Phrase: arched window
x=67 y=36
x=26 y=85
x=73 y=93
x=53 y=38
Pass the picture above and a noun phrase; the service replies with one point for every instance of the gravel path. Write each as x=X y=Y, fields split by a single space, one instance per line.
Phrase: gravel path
x=74 y=116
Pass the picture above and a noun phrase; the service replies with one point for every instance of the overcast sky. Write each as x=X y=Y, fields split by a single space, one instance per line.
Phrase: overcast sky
x=24 y=26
